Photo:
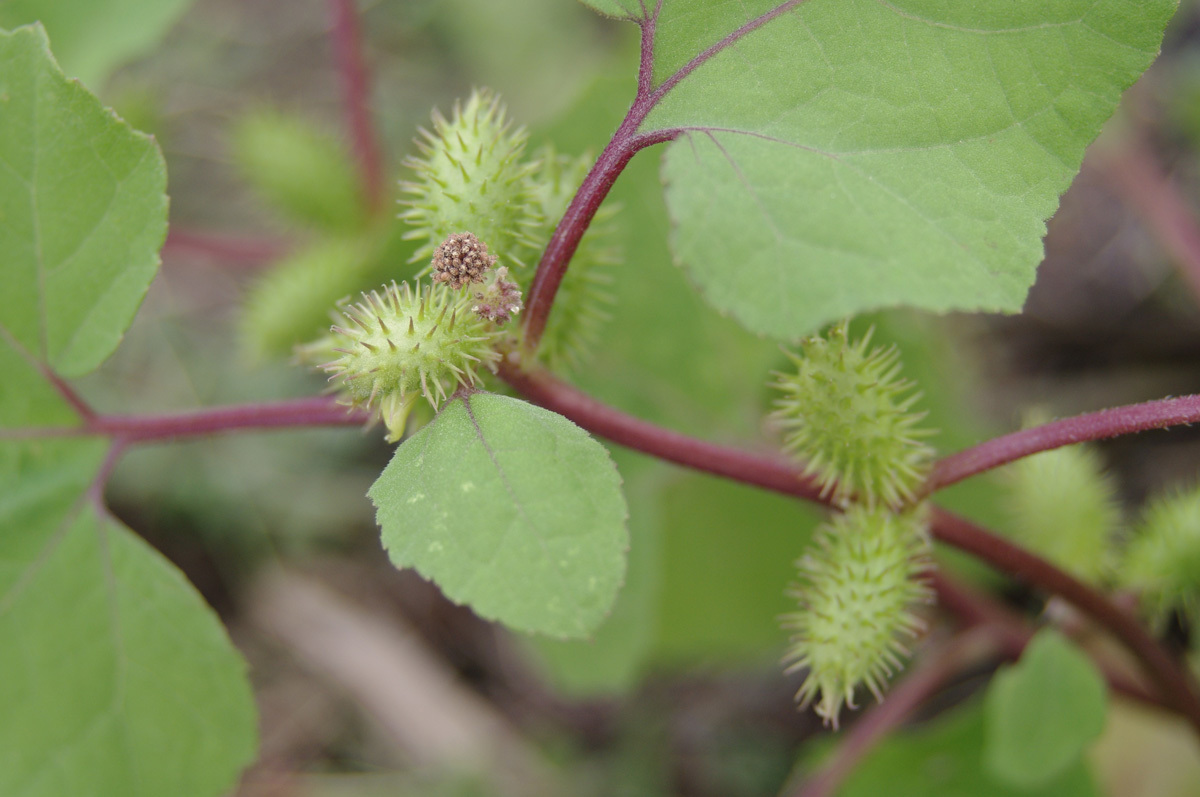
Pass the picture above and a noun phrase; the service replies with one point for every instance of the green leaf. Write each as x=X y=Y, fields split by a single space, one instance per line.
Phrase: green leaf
x=511 y=509
x=852 y=154
x=83 y=209
x=1042 y=712
x=299 y=170
x=943 y=758
x=115 y=676
x=92 y=37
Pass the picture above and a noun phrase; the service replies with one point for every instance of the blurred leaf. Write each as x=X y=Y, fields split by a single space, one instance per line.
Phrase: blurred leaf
x=728 y=553
x=306 y=175
x=943 y=758
x=84 y=210
x=511 y=509
x=852 y=155
x=292 y=302
x=92 y=37
x=1042 y=712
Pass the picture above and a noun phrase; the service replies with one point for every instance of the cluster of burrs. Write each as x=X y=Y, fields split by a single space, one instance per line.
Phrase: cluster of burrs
x=847 y=417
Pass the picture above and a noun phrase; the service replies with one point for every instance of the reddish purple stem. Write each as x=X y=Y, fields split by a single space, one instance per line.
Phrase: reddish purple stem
x=347 y=45
x=305 y=412
x=1091 y=426
x=1172 y=680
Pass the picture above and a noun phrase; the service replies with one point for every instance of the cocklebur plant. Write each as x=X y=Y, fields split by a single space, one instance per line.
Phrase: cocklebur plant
x=470 y=175
x=847 y=415
x=811 y=174
x=404 y=343
x=1161 y=561
x=861 y=586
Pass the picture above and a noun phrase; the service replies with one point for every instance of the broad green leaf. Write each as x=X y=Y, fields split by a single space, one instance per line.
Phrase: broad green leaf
x=512 y=510
x=92 y=37
x=115 y=676
x=82 y=212
x=1043 y=712
x=944 y=758
x=853 y=154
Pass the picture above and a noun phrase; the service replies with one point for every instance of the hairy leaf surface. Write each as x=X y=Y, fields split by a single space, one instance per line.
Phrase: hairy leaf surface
x=511 y=509
x=83 y=212
x=836 y=156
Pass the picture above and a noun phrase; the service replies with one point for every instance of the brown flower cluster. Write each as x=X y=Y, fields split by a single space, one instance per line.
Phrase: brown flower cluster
x=461 y=259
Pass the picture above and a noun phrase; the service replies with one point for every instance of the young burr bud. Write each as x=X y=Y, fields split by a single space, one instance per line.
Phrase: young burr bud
x=402 y=343
x=847 y=417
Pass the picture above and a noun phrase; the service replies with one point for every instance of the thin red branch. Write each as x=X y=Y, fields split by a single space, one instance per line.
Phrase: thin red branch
x=1011 y=631
x=1080 y=428
x=305 y=412
x=624 y=144
x=227 y=249
x=1148 y=191
x=599 y=418
x=95 y=493
x=555 y=259
x=347 y=46
x=1171 y=679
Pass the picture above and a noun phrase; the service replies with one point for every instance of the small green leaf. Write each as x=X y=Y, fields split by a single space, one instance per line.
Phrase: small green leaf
x=92 y=37
x=1042 y=712
x=115 y=676
x=512 y=510
x=83 y=212
x=852 y=154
